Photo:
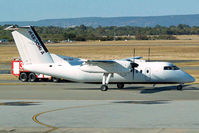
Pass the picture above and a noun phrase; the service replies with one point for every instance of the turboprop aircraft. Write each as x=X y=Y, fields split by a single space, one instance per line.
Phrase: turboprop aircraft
x=36 y=58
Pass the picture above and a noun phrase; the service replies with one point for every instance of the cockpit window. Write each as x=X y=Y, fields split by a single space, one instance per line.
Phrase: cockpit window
x=171 y=68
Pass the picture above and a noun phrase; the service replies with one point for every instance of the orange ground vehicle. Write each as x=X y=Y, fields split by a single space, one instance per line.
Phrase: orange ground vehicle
x=27 y=76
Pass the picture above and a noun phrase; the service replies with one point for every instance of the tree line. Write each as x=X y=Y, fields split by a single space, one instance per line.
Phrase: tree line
x=84 y=33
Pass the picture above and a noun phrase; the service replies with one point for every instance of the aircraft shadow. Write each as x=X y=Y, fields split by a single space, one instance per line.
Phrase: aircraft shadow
x=127 y=88
x=20 y=103
x=144 y=102
x=142 y=89
x=165 y=88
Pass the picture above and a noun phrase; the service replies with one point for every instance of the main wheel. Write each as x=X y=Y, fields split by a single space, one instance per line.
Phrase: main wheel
x=120 y=86
x=179 y=87
x=23 y=77
x=55 y=79
x=32 y=77
x=104 y=88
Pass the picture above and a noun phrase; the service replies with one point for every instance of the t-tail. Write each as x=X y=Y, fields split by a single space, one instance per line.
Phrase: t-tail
x=30 y=46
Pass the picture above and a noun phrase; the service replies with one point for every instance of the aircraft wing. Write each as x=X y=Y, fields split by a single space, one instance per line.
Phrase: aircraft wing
x=103 y=66
x=99 y=62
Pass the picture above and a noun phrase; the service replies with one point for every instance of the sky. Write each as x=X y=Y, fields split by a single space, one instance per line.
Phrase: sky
x=33 y=10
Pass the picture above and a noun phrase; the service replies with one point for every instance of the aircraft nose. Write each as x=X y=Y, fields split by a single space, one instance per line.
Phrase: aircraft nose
x=189 y=78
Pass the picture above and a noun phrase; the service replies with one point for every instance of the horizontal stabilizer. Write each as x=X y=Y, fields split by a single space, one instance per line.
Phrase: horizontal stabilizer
x=133 y=58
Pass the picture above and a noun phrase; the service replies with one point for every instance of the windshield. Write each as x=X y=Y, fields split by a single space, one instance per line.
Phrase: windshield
x=171 y=68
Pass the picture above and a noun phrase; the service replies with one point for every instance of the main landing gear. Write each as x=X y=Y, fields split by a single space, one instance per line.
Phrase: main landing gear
x=104 y=88
x=120 y=86
x=105 y=81
x=179 y=87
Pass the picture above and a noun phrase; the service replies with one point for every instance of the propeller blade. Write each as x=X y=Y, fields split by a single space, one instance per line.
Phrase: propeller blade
x=133 y=65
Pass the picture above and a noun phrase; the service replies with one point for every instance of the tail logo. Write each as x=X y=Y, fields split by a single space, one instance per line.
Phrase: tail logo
x=34 y=38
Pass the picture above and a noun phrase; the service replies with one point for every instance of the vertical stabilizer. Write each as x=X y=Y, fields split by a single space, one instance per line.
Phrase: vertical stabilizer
x=31 y=49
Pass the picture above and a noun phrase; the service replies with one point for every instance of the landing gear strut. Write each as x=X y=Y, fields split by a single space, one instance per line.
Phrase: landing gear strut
x=105 y=81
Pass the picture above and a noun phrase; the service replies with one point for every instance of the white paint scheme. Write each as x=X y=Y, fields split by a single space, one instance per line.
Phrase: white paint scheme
x=43 y=76
x=29 y=47
x=100 y=71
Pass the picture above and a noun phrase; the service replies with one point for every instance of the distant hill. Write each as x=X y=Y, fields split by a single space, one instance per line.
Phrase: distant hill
x=192 y=20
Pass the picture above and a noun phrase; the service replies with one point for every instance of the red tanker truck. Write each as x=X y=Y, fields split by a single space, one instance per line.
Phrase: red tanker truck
x=27 y=76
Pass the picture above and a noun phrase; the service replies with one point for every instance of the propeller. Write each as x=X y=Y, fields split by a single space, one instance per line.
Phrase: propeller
x=133 y=64
x=149 y=54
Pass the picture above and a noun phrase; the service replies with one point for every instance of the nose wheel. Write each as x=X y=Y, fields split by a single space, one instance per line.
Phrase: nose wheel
x=179 y=87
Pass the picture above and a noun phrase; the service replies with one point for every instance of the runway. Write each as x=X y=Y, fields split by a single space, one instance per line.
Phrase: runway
x=77 y=107
x=13 y=89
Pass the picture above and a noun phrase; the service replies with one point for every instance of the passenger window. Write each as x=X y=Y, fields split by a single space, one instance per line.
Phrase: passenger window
x=140 y=71
x=147 y=71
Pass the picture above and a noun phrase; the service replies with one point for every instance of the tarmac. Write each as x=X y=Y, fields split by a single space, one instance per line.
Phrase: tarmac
x=83 y=108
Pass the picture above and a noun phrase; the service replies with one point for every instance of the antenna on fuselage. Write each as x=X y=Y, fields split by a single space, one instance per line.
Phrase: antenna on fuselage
x=149 y=54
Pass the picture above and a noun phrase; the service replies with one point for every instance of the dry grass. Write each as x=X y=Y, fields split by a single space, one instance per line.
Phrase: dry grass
x=8 y=77
x=160 y=50
x=124 y=51
x=187 y=37
x=7 y=53
x=190 y=64
x=135 y=42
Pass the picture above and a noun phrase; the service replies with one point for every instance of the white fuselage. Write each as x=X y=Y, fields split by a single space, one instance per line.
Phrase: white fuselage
x=147 y=72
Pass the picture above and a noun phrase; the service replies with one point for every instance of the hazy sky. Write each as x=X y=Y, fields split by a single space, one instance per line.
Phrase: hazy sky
x=20 y=10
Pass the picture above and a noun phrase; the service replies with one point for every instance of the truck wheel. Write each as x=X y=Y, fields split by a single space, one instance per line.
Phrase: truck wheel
x=55 y=79
x=32 y=77
x=23 y=77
